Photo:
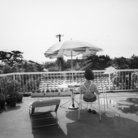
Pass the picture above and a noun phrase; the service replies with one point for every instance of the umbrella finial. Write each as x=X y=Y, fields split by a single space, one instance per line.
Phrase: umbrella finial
x=59 y=36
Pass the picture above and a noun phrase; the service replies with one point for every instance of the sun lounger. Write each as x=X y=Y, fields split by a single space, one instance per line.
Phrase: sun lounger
x=41 y=119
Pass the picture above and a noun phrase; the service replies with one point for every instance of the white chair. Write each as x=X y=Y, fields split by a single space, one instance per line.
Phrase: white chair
x=80 y=105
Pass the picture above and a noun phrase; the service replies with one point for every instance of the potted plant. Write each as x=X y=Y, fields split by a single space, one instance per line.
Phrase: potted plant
x=12 y=88
x=2 y=94
x=2 y=101
x=19 y=97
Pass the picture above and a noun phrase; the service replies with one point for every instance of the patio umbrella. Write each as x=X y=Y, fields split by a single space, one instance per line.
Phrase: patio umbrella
x=71 y=48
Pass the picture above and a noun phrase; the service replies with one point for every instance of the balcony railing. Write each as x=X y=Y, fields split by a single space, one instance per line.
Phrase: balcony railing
x=48 y=82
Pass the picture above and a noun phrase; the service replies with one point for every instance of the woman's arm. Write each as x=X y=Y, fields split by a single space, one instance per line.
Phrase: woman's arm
x=96 y=90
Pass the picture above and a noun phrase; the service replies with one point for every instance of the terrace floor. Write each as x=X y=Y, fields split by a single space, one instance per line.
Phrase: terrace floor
x=119 y=120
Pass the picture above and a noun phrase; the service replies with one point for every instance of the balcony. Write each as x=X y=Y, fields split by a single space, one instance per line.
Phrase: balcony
x=118 y=100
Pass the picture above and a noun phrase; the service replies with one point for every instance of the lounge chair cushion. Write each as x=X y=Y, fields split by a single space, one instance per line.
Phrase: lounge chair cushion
x=45 y=103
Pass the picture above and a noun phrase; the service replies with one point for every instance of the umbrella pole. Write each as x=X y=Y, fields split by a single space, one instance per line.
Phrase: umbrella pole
x=72 y=65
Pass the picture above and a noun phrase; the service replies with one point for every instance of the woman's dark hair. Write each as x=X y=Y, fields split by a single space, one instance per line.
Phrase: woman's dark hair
x=89 y=75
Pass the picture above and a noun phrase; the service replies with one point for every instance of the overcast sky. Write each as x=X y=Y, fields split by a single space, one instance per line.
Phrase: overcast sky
x=31 y=26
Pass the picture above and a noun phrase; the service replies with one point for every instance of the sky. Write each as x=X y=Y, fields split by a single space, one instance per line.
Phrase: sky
x=31 y=26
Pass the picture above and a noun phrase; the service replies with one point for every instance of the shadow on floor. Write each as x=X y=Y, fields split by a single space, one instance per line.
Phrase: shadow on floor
x=49 y=132
x=8 y=108
x=110 y=127
x=51 y=129
x=17 y=124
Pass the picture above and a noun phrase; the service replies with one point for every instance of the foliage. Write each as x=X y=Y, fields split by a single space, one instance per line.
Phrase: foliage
x=10 y=89
x=51 y=66
x=13 y=62
x=126 y=63
x=7 y=69
x=77 y=64
x=121 y=63
x=99 y=62
x=5 y=56
x=2 y=97
x=2 y=101
x=34 y=66
x=60 y=61
x=11 y=58
x=9 y=86
x=133 y=62
x=32 y=84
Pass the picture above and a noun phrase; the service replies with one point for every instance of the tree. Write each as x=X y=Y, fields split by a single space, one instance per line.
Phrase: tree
x=60 y=61
x=99 y=62
x=11 y=58
x=121 y=63
x=133 y=62
x=5 y=56
x=39 y=67
x=16 y=58
x=7 y=69
x=31 y=66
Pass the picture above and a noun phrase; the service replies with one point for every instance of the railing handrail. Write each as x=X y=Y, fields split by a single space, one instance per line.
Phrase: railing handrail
x=17 y=73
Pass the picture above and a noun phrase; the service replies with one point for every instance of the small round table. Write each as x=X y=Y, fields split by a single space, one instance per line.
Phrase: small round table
x=73 y=106
x=71 y=86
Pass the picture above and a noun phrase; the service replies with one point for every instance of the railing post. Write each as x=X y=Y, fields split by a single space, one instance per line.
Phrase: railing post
x=109 y=82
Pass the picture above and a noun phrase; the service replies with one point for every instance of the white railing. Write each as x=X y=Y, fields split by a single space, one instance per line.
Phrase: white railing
x=47 y=82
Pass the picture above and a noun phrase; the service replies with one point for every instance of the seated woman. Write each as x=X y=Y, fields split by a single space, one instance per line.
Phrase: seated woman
x=89 y=88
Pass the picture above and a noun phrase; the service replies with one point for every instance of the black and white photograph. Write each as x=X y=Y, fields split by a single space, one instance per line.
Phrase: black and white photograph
x=68 y=68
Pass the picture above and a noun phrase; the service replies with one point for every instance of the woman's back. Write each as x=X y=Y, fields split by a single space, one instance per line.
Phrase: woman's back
x=89 y=86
